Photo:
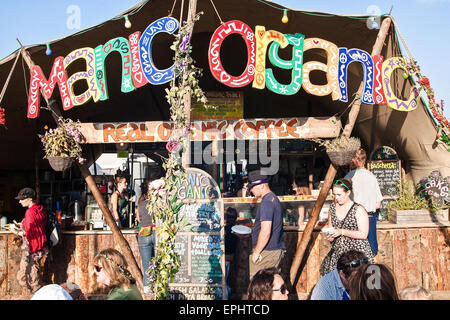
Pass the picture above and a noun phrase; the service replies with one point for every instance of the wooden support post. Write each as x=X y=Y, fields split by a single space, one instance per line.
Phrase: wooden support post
x=117 y=234
x=186 y=157
x=331 y=173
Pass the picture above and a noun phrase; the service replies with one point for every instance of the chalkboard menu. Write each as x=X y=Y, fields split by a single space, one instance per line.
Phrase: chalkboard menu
x=388 y=176
x=200 y=243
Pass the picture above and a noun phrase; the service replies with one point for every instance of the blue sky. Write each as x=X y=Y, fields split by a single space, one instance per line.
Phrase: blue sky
x=424 y=24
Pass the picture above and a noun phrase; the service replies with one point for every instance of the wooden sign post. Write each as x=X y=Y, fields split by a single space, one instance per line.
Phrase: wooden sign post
x=331 y=173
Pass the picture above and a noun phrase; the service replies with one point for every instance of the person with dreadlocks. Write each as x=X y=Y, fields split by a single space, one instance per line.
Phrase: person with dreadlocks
x=111 y=270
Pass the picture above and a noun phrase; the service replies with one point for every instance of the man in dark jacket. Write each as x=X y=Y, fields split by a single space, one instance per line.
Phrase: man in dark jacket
x=33 y=233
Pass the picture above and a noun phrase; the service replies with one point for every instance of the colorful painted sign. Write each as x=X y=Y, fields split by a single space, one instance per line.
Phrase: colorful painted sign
x=138 y=67
x=263 y=129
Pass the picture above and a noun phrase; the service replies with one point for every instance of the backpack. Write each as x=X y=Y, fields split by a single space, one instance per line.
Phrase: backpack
x=52 y=230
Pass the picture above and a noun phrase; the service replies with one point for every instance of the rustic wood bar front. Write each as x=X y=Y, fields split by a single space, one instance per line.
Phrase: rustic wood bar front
x=418 y=254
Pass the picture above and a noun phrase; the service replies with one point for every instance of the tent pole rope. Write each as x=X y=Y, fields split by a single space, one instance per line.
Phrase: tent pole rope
x=217 y=12
x=9 y=77
x=173 y=6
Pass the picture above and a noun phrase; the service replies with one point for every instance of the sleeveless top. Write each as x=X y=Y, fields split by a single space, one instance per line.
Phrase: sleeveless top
x=145 y=217
x=342 y=244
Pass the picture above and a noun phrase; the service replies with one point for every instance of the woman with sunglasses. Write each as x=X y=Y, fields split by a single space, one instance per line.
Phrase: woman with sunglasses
x=267 y=284
x=110 y=267
x=350 y=226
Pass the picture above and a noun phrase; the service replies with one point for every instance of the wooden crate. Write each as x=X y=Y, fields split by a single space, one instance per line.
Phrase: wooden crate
x=417 y=216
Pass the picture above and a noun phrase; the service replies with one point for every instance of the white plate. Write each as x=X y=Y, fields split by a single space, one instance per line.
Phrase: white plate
x=241 y=229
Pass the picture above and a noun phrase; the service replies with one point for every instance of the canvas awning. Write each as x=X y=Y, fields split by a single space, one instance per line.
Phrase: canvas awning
x=411 y=134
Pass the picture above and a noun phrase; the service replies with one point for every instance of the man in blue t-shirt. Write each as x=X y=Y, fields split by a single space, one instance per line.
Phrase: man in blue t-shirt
x=334 y=285
x=267 y=234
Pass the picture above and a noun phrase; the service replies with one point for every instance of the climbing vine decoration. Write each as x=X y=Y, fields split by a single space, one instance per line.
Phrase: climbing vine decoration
x=436 y=109
x=164 y=202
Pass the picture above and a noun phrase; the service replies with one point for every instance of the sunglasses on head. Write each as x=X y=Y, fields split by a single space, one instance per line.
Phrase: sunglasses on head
x=357 y=263
x=98 y=268
x=341 y=184
x=282 y=289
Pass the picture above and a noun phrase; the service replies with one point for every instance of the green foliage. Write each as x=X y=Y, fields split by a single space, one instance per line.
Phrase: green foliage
x=164 y=202
x=409 y=198
x=340 y=143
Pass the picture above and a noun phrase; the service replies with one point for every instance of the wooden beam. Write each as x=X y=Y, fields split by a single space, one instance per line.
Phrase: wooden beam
x=186 y=156
x=118 y=236
x=331 y=173
x=210 y=130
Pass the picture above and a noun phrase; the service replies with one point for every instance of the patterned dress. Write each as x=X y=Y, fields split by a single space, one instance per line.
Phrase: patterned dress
x=342 y=244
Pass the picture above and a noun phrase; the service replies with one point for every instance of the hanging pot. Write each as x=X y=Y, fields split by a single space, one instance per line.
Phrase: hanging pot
x=60 y=163
x=341 y=158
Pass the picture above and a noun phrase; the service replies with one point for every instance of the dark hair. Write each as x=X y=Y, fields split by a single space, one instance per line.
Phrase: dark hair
x=373 y=282
x=261 y=285
x=345 y=184
x=231 y=214
x=344 y=260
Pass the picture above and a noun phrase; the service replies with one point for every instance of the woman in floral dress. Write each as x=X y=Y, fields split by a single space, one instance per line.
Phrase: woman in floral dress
x=350 y=224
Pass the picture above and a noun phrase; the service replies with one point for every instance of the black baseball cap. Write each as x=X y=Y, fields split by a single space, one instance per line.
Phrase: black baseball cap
x=26 y=193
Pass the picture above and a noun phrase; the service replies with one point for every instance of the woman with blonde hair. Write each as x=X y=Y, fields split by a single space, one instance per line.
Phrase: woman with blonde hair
x=111 y=270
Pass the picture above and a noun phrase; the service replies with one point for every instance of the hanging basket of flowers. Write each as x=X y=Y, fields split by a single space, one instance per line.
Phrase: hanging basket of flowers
x=60 y=163
x=340 y=150
x=62 y=145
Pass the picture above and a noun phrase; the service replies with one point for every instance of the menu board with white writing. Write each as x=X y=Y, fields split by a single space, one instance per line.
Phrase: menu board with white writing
x=388 y=176
x=200 y=243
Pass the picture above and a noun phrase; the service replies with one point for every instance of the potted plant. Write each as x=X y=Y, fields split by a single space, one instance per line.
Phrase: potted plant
x=410 y=207
x=340 y=150
x=62 y=145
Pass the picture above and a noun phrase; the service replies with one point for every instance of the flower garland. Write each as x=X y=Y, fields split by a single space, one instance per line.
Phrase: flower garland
x=164 y=202
x=436 y=110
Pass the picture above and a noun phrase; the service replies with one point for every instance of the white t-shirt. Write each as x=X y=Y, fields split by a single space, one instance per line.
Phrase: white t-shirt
x=366 y=190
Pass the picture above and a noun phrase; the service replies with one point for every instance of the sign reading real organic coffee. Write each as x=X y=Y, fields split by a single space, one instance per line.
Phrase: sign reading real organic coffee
x=386 y=169
x=201 y=243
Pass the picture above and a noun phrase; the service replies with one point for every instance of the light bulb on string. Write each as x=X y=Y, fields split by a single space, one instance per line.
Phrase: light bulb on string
x=285 y=18
x=48 y=51
x=127 y=22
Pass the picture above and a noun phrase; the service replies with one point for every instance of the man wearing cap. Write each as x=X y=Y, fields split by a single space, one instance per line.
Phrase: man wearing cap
x=34 y=239
x=267 y=234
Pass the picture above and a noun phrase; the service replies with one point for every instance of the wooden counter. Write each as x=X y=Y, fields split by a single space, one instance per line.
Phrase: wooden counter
x=418 y=254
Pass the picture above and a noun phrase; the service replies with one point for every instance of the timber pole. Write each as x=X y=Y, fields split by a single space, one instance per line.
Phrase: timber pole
x=117 y=234
x=186 y=156
x=331 y=173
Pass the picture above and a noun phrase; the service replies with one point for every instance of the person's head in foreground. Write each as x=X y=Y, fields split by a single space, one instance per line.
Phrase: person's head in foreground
x=51 y=292
x=267 y=284
x=373 y=282
x=348 y=263
x=111 y=269
x=415 y=293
